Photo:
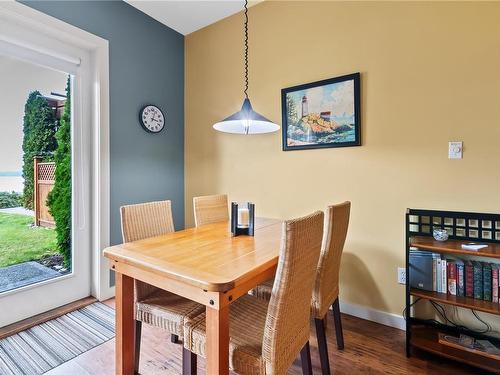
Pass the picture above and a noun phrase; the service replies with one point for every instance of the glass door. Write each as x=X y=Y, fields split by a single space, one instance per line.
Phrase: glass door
x=44 y=175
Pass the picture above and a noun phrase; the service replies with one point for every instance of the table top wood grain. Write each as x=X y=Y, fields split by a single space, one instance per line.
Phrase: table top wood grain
x=208 y=256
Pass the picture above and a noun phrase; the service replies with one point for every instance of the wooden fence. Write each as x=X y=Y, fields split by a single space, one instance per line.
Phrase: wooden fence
x=44 y=176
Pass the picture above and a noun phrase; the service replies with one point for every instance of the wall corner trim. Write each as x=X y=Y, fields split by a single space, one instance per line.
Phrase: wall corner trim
x=377 y=316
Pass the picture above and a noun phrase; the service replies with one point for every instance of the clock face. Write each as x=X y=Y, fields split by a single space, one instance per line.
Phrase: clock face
x=152 y=119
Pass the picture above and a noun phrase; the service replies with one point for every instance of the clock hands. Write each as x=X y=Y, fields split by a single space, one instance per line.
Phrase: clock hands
x=152 y=119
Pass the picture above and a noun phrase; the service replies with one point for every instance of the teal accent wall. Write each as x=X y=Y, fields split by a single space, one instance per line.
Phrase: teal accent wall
x=146 y=65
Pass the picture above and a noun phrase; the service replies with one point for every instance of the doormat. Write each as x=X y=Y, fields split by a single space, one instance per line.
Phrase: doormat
x=50 y=344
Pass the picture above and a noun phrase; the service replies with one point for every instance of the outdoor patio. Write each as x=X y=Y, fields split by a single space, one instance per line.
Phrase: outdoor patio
x=23 y=274
x=18 y=210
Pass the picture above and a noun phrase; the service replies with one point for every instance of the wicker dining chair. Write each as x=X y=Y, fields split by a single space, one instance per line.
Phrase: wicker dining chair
x=265 y=337
x=155 y=306
x=326 y=290
x=210 y=209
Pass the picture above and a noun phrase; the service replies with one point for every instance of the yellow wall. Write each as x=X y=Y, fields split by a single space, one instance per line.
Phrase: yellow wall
x=430 y=74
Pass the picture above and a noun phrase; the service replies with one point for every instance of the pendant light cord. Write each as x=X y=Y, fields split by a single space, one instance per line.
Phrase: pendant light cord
x=246 y=49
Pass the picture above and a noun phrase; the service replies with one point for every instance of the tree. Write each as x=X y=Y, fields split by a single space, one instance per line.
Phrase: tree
x=9 y=200
x=39 y=128
x=292 y=113
x=59 y=199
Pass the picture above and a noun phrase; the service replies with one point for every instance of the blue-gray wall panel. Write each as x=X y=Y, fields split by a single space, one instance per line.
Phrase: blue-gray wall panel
x=146 y=66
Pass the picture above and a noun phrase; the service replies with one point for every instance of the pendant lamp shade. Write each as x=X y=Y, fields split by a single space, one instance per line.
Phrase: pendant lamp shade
x=246 y=121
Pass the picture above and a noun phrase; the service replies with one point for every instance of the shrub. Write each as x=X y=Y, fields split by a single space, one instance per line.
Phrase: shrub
x=59 y=199
x=39 y=128
x=9 y=200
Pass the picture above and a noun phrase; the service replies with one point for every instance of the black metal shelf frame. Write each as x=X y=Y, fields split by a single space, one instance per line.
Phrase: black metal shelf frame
x=466 y=226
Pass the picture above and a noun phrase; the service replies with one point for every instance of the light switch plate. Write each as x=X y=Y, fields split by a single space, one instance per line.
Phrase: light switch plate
x=455 y=150
x=401 y=275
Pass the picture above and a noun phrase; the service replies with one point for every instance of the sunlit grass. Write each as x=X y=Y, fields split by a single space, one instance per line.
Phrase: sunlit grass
x=19 y=242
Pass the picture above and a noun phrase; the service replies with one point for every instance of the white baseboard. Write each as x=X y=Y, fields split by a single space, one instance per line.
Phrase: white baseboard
x=377 y=316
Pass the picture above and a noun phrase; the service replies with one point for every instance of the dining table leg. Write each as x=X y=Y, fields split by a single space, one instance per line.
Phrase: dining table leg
x=125 y=325
x=217 y=322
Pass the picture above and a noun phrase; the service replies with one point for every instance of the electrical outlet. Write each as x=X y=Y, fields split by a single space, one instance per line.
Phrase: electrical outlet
x=401 y=275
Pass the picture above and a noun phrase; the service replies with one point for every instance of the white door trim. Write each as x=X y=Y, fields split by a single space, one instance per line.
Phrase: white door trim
x=96 y=48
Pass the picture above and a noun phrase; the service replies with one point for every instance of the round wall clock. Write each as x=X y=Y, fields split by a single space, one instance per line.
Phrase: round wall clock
x=152 y=119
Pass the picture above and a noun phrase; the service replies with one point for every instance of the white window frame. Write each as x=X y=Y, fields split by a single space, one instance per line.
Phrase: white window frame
x=97 y=51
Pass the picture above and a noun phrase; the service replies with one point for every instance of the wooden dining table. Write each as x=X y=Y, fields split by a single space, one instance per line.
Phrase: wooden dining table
x=205 y=264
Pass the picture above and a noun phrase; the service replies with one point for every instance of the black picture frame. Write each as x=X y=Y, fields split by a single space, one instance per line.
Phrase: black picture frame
x=356 y=126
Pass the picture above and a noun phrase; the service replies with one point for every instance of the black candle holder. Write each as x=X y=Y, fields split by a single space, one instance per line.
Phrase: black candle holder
x=236 y=228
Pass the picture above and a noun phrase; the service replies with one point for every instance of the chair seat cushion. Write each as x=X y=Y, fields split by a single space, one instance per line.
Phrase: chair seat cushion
x=246 y=330
x=167 y=310
x=263 y=291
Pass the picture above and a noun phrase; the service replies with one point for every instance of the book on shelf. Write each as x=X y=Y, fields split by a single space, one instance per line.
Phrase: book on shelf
x=451 y=277
x=444 y=276
x=478 y=279
x=494 y=283
x=421 y=269
x=457 y=277
x=434 y=273
x=487 y=282
x=460 y=278
x=439 y=279
x=469 y=279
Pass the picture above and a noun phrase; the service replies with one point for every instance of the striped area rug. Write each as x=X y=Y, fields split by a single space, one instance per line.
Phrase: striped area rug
x=48 y=345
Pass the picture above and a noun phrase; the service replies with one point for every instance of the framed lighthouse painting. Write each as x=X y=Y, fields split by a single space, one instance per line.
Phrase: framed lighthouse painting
x=322 y=114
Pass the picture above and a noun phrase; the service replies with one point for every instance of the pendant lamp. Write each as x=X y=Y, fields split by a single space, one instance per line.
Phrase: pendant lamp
x=246 y=120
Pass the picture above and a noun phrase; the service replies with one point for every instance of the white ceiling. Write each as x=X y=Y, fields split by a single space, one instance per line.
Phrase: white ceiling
x=186 y=16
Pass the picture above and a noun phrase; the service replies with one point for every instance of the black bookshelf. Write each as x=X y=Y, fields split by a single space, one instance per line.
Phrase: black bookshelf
x=462 y=227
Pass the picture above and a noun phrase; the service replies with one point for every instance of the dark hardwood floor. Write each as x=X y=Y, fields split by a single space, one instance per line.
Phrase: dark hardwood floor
x=370 y=348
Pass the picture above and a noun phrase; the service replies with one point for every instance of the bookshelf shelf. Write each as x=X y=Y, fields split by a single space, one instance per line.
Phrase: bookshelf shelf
x=454 y=247
x=462 y=227
x=466 y=302
x=427 y=338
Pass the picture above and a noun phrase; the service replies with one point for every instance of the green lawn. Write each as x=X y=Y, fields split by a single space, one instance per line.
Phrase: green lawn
x=21 y=243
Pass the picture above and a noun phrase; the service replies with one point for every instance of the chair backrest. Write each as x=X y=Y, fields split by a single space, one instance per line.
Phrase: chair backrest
x=146 y=220
x=326 y=289
x=288 y=316
x=210 y=209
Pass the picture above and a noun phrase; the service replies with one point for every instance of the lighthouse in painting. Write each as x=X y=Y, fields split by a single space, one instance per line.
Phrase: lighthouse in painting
x=305 y=110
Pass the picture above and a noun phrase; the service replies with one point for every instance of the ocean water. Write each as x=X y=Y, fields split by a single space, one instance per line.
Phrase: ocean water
x=11 y=183
x=296 y=133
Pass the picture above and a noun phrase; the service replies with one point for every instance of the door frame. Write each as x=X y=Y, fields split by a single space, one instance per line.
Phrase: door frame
x=95 y=104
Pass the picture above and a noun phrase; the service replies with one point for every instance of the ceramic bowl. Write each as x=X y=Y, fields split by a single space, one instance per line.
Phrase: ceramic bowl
x=440 y=234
